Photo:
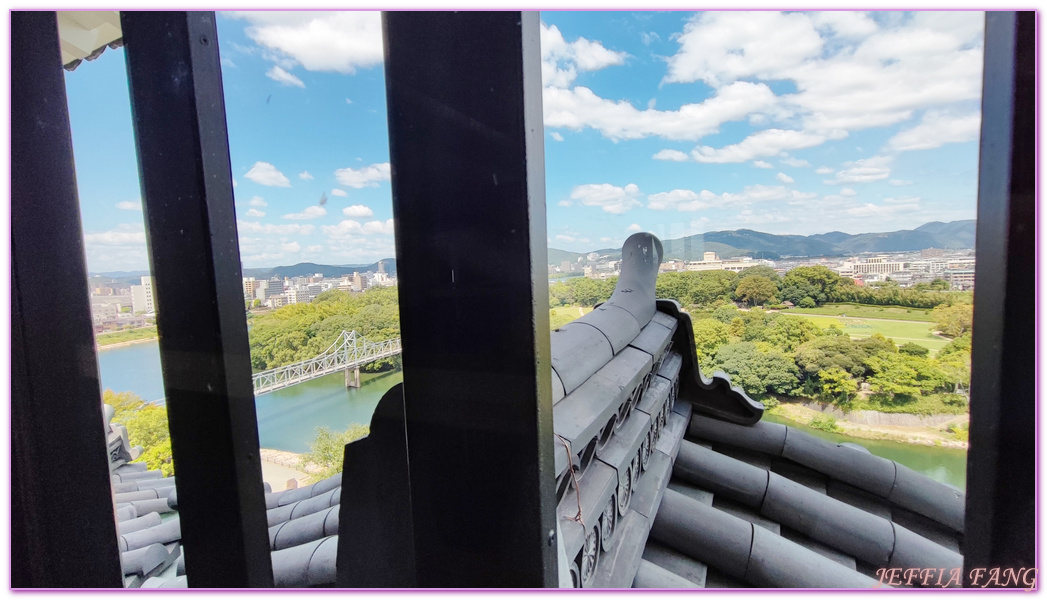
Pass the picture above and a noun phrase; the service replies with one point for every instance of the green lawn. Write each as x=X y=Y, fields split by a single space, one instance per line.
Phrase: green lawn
x=127 y=335
x=558 y=317
x=867 y=312
x=919 y=333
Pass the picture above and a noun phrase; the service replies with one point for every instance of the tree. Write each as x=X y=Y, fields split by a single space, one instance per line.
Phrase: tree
x=904 y=374
x=837 y=384
x=953 y=320
x=761 y=271
x=709 y=334
x=257 y=302
x=159 y=457
x=756 y=290
x=758 y=373
x=806 y=302
x=818 y=282
x=913 y=349
x=146 y=427
x=825 y=353
x=328 y=449
x=786 y=332
x=726 y=313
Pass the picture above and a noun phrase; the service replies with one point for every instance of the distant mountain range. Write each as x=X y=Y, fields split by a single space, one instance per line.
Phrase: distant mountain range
x=306 y=269
x=727 y=244
x=298 y=270
x=746 y=242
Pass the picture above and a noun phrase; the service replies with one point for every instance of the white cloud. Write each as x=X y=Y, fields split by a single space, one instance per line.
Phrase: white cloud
x=347 y=101
x=556 y=136
x=266 y=174
x=762 y=164
x=688 y=200
x=565 y=238
x=769 y=142
x=613 y=199
x=338 y=192
x=228 y=62
x=823 y=170
x=722 y=47
x=254 y=212
x=564 y=203
x=349 y=227
x=120 y=248
x=368 y=176
x=902 y=200
x=937 y=129
x=785 y=178
x=314 y=249
x=281 y=76
x=794 y=162
x=339 y=41
x=682 y=200
x=561 y=60
x=863 y=171
x=305 y=175
x=634 y=228
x=579 y=107
x=310 y=212
x=258 y=201
x=876 y=210
x=125 y=234
x=291 y=247
x=853 y=25
x=850 y=72
x=269 y=229
x=674 y=155
x=900 y=182
x=848 y=192
x=357 y=210
x=126 y=205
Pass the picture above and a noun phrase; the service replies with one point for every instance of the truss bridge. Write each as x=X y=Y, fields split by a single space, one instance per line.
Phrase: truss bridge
x=348 y=353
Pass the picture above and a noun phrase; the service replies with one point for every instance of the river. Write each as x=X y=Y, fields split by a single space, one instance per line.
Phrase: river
x=288 y=418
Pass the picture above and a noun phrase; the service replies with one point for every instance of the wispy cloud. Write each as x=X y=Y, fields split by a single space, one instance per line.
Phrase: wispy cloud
x=310 y=212
x=369 y=176
x=281 y=76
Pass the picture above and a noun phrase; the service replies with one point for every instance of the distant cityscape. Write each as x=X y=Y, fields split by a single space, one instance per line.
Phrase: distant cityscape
x=904 y=268
x=118 y=304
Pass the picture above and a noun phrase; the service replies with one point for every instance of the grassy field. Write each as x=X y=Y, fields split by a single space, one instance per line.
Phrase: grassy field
x=141 y=333
x=558 y=317
x=864 y=311
x=919 y=333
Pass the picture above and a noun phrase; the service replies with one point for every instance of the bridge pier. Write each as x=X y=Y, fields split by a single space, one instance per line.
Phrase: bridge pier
x=352 y=377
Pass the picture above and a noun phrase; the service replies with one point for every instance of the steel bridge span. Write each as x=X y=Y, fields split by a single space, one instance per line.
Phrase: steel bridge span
x=348 y=353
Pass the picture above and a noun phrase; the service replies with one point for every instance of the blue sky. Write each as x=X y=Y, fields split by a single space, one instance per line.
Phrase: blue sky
x=669 y=122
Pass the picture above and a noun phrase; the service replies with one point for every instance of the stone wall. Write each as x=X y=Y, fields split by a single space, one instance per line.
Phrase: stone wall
x=872 y=417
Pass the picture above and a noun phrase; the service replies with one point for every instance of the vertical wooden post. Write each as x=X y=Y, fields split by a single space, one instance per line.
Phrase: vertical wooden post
x=63 y=529
x=1000 y=529
x=465 y=129
x=183 y=156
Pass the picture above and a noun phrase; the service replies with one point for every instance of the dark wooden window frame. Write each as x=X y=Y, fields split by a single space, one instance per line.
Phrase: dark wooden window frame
x=59 y=479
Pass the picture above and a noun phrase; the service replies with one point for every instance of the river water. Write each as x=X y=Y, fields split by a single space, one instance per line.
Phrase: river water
x=288 y=418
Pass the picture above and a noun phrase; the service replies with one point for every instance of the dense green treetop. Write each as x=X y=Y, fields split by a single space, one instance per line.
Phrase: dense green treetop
x=757 y=372
x=301 y=331
x=756 y=290
x=328 y=449
x=816 y=282
x=953 y=320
